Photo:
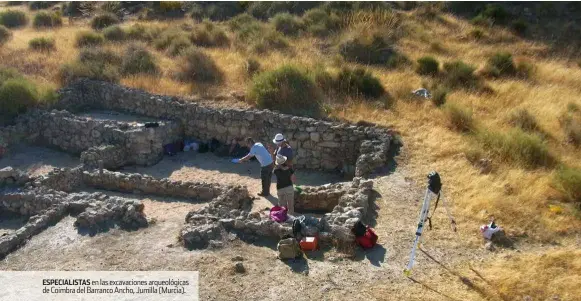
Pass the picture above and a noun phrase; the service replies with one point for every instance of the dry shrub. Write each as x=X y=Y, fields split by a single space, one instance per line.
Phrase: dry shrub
x=42 y=44
x=5 y=35
x=137 y=59
x=89 y=39
x=198 y=67
x=459 y=118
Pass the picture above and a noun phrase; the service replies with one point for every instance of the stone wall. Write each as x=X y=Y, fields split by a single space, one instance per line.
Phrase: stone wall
x=143 y=184
x=319 y=198
x=105 y=156
x=318 y=144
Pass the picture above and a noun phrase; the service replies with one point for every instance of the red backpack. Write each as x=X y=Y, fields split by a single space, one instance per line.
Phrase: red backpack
x=367 y=240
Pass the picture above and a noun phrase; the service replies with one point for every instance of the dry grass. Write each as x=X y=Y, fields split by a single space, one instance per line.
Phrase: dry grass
x=518 y=198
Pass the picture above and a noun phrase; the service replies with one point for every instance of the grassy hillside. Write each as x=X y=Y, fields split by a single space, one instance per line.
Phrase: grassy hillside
x=504 y=128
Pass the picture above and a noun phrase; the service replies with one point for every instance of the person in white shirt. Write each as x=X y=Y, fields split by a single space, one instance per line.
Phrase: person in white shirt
x=264 y=157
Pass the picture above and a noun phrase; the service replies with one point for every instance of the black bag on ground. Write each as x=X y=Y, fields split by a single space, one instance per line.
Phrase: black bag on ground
x=359 y=229
x=203 y=148
x=297 y=228
x=214 y=145
x=434 y=182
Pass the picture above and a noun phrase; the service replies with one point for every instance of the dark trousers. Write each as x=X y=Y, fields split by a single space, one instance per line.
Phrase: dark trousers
x=266 y=177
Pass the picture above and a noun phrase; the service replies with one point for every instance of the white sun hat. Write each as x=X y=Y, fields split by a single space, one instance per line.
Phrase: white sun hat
x=278 y=138
x=280 y=159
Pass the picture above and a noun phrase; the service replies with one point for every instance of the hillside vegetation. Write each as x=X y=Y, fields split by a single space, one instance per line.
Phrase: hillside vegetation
x=503 y=127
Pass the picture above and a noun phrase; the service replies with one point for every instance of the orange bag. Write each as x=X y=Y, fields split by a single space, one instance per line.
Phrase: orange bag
x=309 y=243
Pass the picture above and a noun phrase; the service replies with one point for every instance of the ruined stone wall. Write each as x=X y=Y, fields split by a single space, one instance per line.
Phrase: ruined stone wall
x=319 y=198
x=318 y=144
x=142 y=184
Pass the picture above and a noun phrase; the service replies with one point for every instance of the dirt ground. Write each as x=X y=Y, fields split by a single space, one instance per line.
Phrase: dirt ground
x=37 y=160
x=372 y=275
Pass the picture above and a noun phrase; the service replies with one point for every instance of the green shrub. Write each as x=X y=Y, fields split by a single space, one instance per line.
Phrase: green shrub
x=517 y=147
x=287 y=89
x=208 y=35
x=73 y=71
x=16 y=96
x=179 y=45
x=372 y=49
x=573 y=107
x=519 y=27
x=324 y=79
x=572 y=129
x=47 y=19
x=9 y=73
x=481 y=21
x=99 y=56
x=242 y=21
x=5 y=35
x=217 y=11
x=267 y=9
x=320 y=23
x=114 y=33
x=522 y=119
x=271 y=40
x=167 y=37
x=104 y=20
x=460 y=74
x=89 y=39
x=140 y=32
x=568 y=181
x=439 y=96
x=165 y=9
x=501 y=64
x=251 y=67
x=477 y=33
x=496 y=13
x=287 y=24
x=525 y=69
x=428 y=65
x=36 y=5
x=459 y=118
x=13 y=18
x=359 y=82
x=199 y=67
x=138 y=59
x=42 y=44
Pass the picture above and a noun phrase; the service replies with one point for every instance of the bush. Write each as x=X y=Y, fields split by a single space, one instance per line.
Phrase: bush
x=218 y=11
x=501 y=64
x=104 y=20
x=439 y=96
x=179 y=45
x=572 y=129
x=13 y=18
x=114 y=33
x=525 y=69
x=522 y=119
x=320 y=23
x=360 y=82
x=143 y=33
x=287 y=24
x=459 y=118
x=242 y=21
x=568 y=181
x=138 y=59
x=17 y=95
x=477 y=33
x=519 y=27
x=5 y=35
x=165 y=9
x=99 y=56
x=324 y=79
x=9 y=73
x=481 y=21
x=89 y=39
x=98 y=71
x=36 y=5
x=42 y=44
x=199 y=67
x=460 y=74
x=209 y=35
x=517 y=147
x=271 y=40
x=369 y=50
x=47 y=19
x=251 y=67
x=267 y=9
x=496 y=13
x=428 y=65
x=167 y=37
x=287 y=89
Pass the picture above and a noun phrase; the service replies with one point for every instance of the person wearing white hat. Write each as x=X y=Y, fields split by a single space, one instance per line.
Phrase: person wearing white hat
x=283 y=148
x=285 y=178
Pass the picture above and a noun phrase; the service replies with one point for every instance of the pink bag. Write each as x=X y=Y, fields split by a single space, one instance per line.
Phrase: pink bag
x=278 y=214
